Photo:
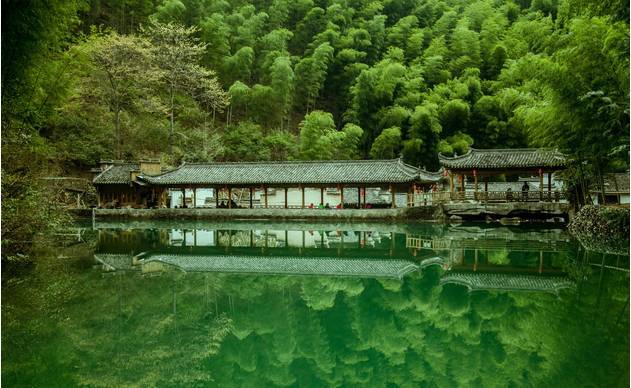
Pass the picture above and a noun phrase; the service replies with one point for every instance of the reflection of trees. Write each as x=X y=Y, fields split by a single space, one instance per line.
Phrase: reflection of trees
x=418 y=333
x=237 y=330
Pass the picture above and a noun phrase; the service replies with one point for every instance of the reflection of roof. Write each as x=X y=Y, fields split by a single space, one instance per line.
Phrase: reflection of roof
x=118 y=173
x=292 y=172
x=362 y=267
x=505 y=158
x=615 y=183
x=116 y=262
x=509 y=282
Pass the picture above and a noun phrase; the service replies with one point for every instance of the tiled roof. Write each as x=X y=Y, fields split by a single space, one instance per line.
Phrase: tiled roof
x=335 y=266
x=292 y=172
x=118 y=173
x=505 y=158
x=428 y=176
x=617 y=183
x=509 y=282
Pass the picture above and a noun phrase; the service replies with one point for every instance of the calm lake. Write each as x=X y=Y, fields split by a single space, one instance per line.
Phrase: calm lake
x=260 y=304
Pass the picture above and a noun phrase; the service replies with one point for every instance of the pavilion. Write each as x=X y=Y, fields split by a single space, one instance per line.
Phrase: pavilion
x=393 y=174
x=485 y=163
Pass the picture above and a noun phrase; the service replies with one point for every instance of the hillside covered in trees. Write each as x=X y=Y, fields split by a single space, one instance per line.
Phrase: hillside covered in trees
x=202 y=80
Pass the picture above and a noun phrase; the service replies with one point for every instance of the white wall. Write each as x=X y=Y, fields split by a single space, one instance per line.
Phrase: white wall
x=200 y=197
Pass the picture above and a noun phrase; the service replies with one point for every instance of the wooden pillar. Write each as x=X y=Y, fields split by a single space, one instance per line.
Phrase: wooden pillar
x=265 y=191
x=540 y=261
x=229 y=197
x=286 y=197
x=195 y=197
x=251 y=195
x=302 y=197
x=475 y=184
x=393 y=196
x=486 y=188
x=451 y=182
x=364 y=196
x=183 y=197
x=475 y=263
x=462 y=184
x=541 y=184
x=414 y=190
x=216 y=197
x=342 y=196
x=550 y=187
x=322 y=195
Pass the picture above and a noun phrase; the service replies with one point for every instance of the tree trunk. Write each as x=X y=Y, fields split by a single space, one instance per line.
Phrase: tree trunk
x=584 y=193
x=118 y=133
x=601 y=180
x=171 y=129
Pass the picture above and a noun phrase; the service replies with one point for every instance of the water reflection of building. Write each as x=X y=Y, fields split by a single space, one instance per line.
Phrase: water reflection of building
x=478 y=258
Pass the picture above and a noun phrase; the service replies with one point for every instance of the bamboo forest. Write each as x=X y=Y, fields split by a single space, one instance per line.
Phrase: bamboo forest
x=315 y=193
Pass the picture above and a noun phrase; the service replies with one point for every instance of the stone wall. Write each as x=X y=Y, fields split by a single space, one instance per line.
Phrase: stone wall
x=471 y=211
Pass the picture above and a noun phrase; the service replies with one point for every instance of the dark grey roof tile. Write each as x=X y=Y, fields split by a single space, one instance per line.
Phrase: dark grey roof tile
x=505 y=158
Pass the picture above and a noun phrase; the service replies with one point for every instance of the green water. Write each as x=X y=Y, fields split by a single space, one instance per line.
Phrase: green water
x=257 y=305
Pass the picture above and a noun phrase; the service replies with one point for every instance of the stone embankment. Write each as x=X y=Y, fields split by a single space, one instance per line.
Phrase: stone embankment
x=440 y=213
x=602 y=228
x=280 y=214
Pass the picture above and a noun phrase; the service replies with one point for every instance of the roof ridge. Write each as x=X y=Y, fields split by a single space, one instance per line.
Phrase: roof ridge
x=101 y=173
x=441 y=156
x=513 y=149
x=344 y=161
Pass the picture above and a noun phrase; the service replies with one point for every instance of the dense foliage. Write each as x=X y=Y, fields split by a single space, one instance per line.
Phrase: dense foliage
x=601 y=228
x=89 y=79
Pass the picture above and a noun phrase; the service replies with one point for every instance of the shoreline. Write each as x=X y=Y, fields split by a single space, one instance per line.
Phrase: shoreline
x=454 y=212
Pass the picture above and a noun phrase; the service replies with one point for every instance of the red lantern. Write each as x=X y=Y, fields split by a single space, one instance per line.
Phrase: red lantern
x=475 y=172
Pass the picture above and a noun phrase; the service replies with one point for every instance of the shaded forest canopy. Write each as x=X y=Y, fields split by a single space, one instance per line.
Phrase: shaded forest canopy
x=201 y=80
